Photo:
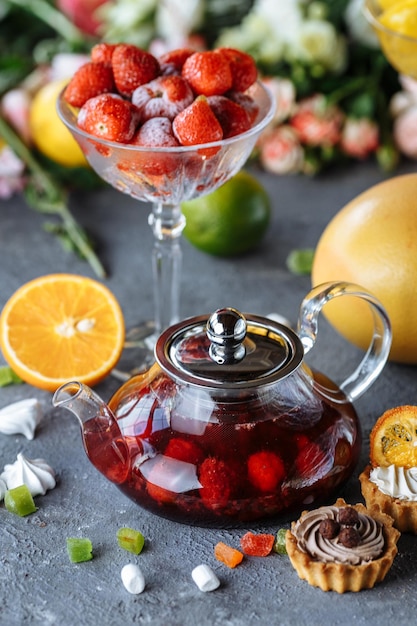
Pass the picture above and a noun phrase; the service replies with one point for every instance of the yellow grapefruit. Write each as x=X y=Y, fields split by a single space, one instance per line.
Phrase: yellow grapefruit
x=372 y=241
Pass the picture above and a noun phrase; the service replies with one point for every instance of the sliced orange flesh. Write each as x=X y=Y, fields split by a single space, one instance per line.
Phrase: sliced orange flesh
x=62 y=327
x=393 y=439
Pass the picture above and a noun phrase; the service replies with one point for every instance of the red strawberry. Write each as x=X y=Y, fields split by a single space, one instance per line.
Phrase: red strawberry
x=172 y=62
x=184 y=450
x=108 y=116
x=266 y=470
x=208 y=73
x=312 y=461
x=132 y=67
x=156 y=132
x=166 y=96
x=233 y=118
x=246 y=102
x=218 y=482
x=90 y=80
x=197 y=124
x=102 y=52
x=243 y=67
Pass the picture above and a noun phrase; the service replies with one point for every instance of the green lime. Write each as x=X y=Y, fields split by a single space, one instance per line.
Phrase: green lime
x=231 y=220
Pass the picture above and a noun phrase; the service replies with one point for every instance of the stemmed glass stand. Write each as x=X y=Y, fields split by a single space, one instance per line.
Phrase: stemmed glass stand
x=166 y=177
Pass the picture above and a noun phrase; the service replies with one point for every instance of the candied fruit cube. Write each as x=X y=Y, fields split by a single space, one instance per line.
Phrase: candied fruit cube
x=227 y=555
x=257 y=544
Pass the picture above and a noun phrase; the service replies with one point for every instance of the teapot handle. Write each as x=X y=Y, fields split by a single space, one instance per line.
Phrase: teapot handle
x=377 y=354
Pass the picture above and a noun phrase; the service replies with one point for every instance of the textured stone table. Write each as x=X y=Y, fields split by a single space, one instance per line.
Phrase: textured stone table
x=38 y=584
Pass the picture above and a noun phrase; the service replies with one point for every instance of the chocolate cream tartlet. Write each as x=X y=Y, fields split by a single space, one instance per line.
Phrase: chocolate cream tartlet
x=341 y=547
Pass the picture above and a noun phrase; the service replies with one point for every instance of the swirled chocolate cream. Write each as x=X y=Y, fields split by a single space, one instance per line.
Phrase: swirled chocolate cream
x=342 y=547
x=340 y=535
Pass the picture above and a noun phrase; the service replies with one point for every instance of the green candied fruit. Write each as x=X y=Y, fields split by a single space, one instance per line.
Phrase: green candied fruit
x=19 y=501
x=279 y=545
x=79 y=549
x=130 y=540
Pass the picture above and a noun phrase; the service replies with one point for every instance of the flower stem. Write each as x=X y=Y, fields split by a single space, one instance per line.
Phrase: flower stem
x=53 y=18
x=47 y=196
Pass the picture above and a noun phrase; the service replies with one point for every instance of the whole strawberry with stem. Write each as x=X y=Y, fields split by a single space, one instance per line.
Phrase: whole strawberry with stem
x=109 y=117
x=132 y=67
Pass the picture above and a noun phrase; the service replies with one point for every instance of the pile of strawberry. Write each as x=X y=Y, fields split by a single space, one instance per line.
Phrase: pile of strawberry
x=125 y=94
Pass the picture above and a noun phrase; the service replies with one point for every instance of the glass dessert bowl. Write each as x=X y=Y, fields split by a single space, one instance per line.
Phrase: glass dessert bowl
x=165 y=177
x=394 y=34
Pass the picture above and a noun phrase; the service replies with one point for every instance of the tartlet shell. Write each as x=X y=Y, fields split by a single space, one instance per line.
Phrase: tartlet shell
x=344 y=577
x=403 y=513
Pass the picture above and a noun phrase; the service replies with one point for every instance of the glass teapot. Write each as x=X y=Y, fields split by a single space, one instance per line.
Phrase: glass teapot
x=230 y=424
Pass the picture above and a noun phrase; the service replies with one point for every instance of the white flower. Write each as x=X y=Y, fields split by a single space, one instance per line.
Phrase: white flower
x=256 y=36
x=128 y=21
x=408 y=83
x=405 y=132
x=283 y=16
x=358 y=27
x=11 y=173
x=65 y=64
x=176 y=19
x=401 y=101
x=319 y=42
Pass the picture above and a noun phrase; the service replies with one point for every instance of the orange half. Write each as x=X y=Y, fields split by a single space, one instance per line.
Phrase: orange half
x=393 y=439
x=62 y=327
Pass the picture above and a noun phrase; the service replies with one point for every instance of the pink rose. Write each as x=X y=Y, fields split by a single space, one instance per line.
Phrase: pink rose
x=317 y=123
x=281 y=151
x=11 y=173
x=284 y=94
x=360 y=137
x=82 y=13
x=15 y=106
x=405 y=132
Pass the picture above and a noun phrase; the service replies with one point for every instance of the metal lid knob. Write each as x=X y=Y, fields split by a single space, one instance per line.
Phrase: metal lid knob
x=226 y=330
x=228 y=351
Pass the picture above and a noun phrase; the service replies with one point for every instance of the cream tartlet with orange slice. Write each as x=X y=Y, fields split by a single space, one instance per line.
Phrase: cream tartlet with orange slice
x=389 y=482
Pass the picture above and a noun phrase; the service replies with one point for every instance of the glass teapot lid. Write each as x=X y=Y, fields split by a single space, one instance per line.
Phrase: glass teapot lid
x=229 y=350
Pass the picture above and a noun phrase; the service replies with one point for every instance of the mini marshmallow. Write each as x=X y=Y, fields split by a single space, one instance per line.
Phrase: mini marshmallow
x=205 y=578
x=132 y=578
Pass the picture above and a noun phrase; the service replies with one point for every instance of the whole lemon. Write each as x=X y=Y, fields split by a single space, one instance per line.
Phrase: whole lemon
x=50 y=135
x=232 y=219
x=372 y=241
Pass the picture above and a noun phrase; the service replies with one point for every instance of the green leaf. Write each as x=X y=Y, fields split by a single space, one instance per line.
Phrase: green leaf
x=9 y=377
x=300 y=261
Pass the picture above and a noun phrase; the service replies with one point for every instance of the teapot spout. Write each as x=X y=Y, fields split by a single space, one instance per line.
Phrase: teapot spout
x=103 y=441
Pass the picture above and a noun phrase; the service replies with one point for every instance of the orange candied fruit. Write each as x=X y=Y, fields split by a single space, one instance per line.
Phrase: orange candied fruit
x=227 y=555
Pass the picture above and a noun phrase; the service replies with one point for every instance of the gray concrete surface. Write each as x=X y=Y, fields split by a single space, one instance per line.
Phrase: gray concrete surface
x=38 y=584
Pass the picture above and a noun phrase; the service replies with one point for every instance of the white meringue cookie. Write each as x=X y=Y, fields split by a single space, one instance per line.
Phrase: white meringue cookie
x=21 y=418
x=36 y=474
x=3 y=489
